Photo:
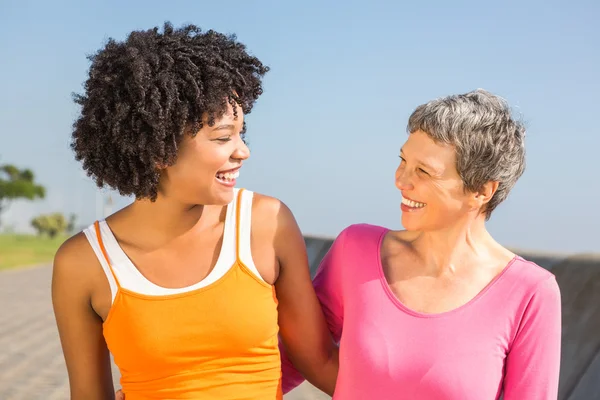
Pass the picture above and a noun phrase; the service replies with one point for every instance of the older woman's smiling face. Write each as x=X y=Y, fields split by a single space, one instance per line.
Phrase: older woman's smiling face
x=433 y=195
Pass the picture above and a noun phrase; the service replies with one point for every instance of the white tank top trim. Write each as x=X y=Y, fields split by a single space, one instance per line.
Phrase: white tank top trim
x=245 y=232
x=131 y=278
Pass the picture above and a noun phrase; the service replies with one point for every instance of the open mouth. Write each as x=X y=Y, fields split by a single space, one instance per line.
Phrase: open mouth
x=228 y=177
x=412 y=203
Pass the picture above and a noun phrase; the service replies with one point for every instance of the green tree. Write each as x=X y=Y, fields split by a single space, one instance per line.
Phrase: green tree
x=17 y=184
x=50 y=224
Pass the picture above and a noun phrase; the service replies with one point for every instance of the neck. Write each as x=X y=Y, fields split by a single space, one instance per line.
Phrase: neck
x=168 y=218
x=446 y=250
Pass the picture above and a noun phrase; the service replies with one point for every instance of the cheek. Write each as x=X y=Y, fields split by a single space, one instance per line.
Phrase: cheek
x=451 y=200
x=190 y=169
x=206 y=159
x=441 y=193
x=216 y=156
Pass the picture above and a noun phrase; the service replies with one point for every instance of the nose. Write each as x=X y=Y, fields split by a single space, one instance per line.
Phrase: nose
x=241 y=152
x=403 y=179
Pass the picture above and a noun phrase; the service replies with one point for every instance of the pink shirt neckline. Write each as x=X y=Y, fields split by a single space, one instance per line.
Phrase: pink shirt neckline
x=388 y=290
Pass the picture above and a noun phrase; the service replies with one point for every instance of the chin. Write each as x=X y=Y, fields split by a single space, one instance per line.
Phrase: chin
x=222 y=198
x=410 y=223
x=211 y=198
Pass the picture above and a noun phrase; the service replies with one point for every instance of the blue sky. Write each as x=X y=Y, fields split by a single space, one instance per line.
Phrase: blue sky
x=344 y=78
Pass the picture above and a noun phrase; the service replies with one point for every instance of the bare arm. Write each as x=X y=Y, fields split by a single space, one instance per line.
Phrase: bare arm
x=303 y=329
x=79 y=327
x=328 y=285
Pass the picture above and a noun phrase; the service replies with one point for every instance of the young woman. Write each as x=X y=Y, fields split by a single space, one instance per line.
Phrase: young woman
x=190 y=285
x=440 y=310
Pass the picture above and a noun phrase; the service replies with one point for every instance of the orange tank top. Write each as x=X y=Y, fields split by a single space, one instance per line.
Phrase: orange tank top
x=214 y=342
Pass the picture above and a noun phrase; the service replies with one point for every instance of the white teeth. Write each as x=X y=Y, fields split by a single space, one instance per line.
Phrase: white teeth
x=228 y=176
x=413 y=204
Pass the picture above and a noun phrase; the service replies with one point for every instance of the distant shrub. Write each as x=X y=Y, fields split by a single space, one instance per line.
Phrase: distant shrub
x=50 y=224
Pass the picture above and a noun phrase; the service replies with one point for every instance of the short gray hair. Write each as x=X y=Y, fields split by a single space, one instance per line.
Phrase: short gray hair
x=489 y=143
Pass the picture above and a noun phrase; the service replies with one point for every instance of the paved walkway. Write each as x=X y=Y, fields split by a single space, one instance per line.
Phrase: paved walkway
x=31 y=361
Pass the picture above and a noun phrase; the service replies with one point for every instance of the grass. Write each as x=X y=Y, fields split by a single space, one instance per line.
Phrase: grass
x=21 y=250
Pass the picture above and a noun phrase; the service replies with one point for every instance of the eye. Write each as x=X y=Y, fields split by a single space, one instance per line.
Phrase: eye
x=423 y=171
x=223 y=139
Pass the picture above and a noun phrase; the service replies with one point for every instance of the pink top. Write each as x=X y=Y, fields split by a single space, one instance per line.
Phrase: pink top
x=506 y=339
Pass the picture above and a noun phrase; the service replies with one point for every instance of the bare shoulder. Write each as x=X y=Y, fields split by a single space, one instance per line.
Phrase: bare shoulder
x=274 y=223
x=73 y=251
x=72 y=262
x=271 y=214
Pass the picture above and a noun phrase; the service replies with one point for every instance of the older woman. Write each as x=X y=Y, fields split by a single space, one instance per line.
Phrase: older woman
x=440 y=310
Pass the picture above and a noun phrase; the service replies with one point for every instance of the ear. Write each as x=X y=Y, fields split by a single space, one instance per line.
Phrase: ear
x=485 y=194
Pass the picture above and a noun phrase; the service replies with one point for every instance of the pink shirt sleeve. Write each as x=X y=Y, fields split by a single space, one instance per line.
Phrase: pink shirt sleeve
x=533 y=361
x=328 y=286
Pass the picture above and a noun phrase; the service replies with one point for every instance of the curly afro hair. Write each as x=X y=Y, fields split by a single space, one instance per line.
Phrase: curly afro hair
x=144 y=94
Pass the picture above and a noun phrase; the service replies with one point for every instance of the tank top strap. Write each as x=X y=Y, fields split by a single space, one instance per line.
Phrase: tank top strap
x=238 y=217
x=104 y=253
x=243 y=232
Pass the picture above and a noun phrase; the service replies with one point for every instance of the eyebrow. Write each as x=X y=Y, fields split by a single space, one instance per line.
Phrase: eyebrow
x=223 y=127
x=429 y=167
